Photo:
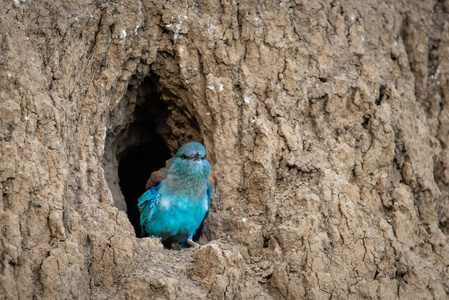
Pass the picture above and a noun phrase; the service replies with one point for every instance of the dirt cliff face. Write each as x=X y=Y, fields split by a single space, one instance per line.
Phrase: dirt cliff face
x=326 y=124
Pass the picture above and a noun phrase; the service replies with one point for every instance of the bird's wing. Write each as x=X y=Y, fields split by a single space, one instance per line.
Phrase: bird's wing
x=209 y=192
x=159 y=175
x=198 y=232
x=155 y=178
x=209 y=198
x=147 y=202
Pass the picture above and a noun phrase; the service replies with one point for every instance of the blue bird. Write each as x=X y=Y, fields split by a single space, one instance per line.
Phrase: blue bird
x=175 y=209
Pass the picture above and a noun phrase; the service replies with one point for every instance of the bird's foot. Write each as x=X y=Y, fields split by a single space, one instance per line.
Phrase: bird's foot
x=192 y=243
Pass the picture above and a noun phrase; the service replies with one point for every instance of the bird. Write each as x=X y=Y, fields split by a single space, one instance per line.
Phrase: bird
x=177 y=201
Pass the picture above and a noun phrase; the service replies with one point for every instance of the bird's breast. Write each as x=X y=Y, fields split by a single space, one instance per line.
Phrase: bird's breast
x=183 y=202
x=164 y=203
x=178 y=214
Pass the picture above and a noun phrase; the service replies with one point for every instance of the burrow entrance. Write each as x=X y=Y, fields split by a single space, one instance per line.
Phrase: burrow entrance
x=135 y=167
x=137 y=140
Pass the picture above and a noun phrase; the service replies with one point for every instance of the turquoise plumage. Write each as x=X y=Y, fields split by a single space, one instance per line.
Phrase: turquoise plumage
x=175 y=209
x=147 y=202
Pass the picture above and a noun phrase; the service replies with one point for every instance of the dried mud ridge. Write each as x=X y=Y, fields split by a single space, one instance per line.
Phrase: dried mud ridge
x=326 y=125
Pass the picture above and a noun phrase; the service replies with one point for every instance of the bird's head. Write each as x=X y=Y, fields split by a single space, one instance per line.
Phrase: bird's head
x=192 y=152
x=190 y=160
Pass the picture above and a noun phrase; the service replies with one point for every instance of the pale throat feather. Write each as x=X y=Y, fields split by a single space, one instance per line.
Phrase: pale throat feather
x=188 y=180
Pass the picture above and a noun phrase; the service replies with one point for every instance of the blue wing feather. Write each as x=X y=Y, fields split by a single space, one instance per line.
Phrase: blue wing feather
x=147 y=202
x=209 y=192
x=198 y=232
x=209 y=198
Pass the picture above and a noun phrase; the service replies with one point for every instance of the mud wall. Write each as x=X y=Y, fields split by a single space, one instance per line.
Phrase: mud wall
x=326 y=124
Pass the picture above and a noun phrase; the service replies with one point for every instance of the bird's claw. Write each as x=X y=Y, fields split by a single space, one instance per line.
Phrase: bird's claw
x=192 y=243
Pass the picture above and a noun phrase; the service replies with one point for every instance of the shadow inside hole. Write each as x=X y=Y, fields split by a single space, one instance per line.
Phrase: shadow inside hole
x=141 y=148
x=135 y=167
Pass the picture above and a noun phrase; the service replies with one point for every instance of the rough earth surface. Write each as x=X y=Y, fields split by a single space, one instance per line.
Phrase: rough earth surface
x=326 y=124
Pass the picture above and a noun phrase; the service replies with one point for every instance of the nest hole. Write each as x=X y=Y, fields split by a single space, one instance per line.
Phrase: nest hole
x=139 y=140
x=135 y=167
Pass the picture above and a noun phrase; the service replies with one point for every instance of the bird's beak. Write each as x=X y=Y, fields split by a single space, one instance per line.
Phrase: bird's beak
x=195 y=157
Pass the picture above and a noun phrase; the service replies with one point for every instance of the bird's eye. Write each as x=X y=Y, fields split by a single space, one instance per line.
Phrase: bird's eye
x=183 y=156
x=203 y=157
